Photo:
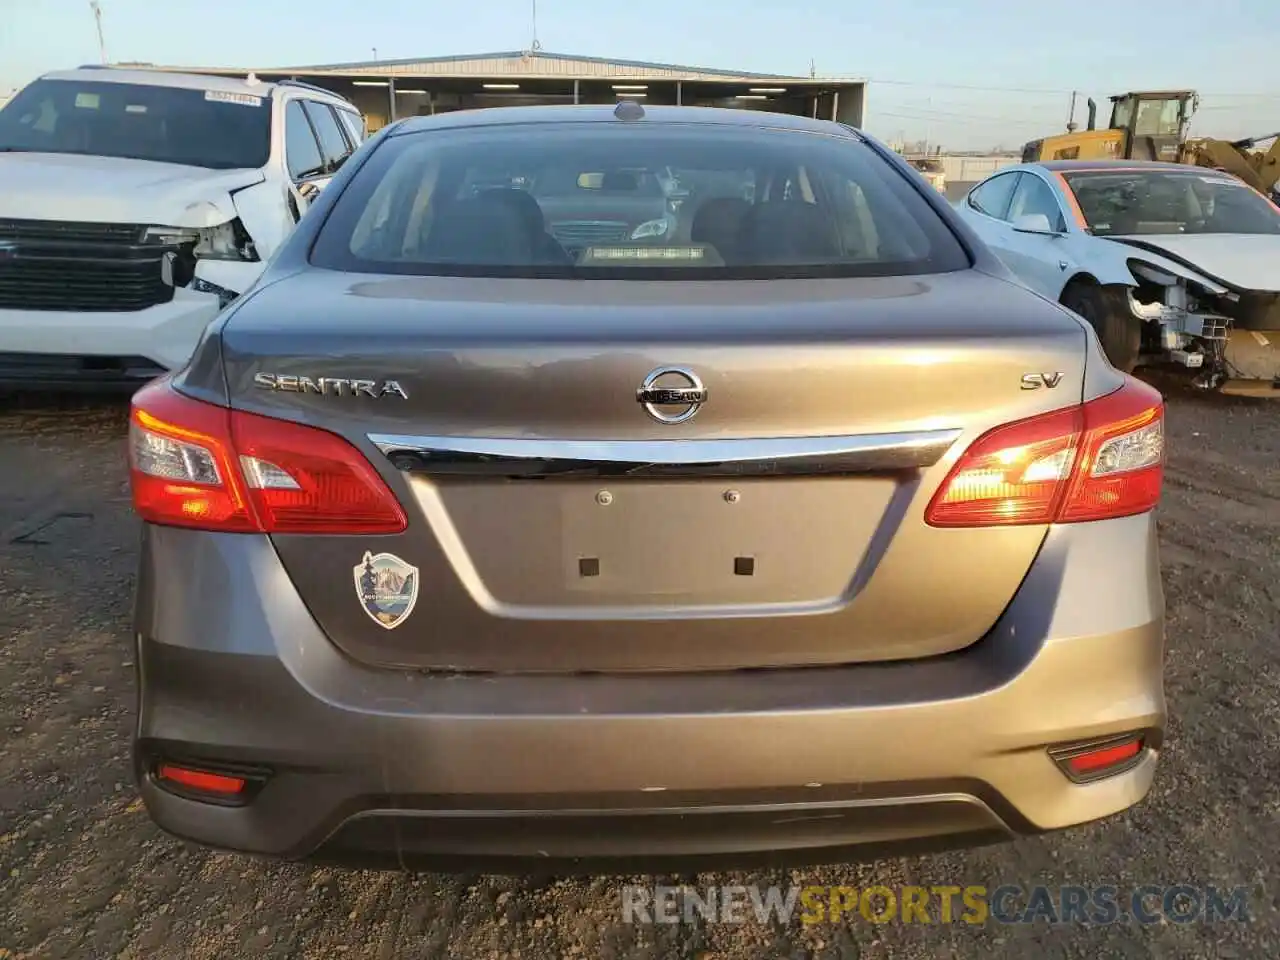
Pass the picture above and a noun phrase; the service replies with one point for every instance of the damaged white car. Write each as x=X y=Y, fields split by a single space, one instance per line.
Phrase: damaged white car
x=136 y=204
x=1168 y=263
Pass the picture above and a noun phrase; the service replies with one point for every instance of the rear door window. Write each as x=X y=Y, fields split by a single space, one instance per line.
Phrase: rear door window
x=589 y=200
x=302 y=152
x=334 y=147
x=354 y=123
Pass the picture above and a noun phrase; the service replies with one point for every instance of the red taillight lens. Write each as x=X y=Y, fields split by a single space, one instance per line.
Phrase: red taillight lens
x=1097 y=461
x=202 y=781
x=1121 y=467
x=1084 y=762
x=1014 y=474
x=1095 y=761
x=304 y=480
x=193 y=464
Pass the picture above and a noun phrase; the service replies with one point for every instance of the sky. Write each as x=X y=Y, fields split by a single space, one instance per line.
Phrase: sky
x=963 y=74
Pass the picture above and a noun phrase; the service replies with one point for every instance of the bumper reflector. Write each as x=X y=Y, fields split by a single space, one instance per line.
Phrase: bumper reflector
x=1102 y=758
x=202 y=781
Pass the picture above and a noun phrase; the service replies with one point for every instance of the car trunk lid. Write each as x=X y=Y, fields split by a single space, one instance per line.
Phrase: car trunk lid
x=557 y=524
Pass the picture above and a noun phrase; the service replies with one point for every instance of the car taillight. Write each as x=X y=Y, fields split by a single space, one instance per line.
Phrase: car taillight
x=1096 y=461
x=1095 y=759
x=201 y=781
x=193 y=464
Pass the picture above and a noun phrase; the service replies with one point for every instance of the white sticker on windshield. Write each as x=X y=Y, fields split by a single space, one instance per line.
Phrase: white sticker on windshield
x=223 y=96
x=1227 y=180
x=135 y=108
x=88 y=101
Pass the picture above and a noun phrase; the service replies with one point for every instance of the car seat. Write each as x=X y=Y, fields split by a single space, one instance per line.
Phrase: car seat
x=481 y=230
x=790 y=232
x=719 y=222
x=545 y=248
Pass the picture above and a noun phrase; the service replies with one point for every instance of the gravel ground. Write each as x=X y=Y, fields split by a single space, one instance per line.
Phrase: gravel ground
x=84 y=873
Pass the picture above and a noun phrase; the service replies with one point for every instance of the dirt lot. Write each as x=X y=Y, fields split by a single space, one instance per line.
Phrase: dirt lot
x=84 y=874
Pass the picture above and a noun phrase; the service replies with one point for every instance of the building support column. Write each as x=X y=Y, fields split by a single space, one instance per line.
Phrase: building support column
x=391 y=98
x=576 y=84
x=835 y=105
x=679 y=93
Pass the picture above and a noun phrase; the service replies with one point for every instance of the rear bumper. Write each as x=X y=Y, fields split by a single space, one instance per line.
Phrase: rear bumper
x=388 y=768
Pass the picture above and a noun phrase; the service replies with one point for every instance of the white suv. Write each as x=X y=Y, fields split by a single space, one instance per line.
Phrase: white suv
x=136 y=204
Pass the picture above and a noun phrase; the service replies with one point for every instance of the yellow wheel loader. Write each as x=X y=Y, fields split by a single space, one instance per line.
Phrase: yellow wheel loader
x=1145 y=125
x=1152 y=125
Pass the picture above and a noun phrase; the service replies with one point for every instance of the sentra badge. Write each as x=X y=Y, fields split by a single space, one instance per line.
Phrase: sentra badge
x=330 y=386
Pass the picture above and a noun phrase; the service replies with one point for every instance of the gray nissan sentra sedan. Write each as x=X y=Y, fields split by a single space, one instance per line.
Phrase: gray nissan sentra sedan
x=516 y=517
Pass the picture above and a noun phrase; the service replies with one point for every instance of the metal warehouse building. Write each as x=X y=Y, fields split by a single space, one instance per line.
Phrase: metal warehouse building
x=385 y=90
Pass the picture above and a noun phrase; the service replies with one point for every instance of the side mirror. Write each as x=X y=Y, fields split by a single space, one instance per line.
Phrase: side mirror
x=1034 y=223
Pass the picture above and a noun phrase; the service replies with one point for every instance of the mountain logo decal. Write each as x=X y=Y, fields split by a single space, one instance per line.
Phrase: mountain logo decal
x=387 y=588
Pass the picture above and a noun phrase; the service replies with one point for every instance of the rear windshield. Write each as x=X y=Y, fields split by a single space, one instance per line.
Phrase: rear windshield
x=138 y=122
x=1131 y=203
x=652 y=201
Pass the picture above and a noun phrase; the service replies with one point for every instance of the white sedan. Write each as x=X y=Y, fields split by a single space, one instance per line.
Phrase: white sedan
x=1165 y=261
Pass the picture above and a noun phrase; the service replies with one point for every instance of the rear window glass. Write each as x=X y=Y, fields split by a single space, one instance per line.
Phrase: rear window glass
x=201 y=128
x=676 y=201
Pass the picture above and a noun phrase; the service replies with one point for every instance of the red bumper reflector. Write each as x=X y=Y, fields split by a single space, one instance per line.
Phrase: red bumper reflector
x=1093 y=762
x=202 y=780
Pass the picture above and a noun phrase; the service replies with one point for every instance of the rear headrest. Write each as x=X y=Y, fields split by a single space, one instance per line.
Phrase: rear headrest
x=718 y=216
x=479 y=230
x=719 y=223
x=790 y=232
x=519 y=201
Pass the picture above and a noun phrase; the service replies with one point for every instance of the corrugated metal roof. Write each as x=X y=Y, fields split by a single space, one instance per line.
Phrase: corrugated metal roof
x=535 y=64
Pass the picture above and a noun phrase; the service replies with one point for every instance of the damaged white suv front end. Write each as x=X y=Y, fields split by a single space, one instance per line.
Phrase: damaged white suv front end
x=138 y=204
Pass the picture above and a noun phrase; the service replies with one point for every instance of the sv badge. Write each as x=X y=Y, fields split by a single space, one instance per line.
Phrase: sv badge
x=1034 y=381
